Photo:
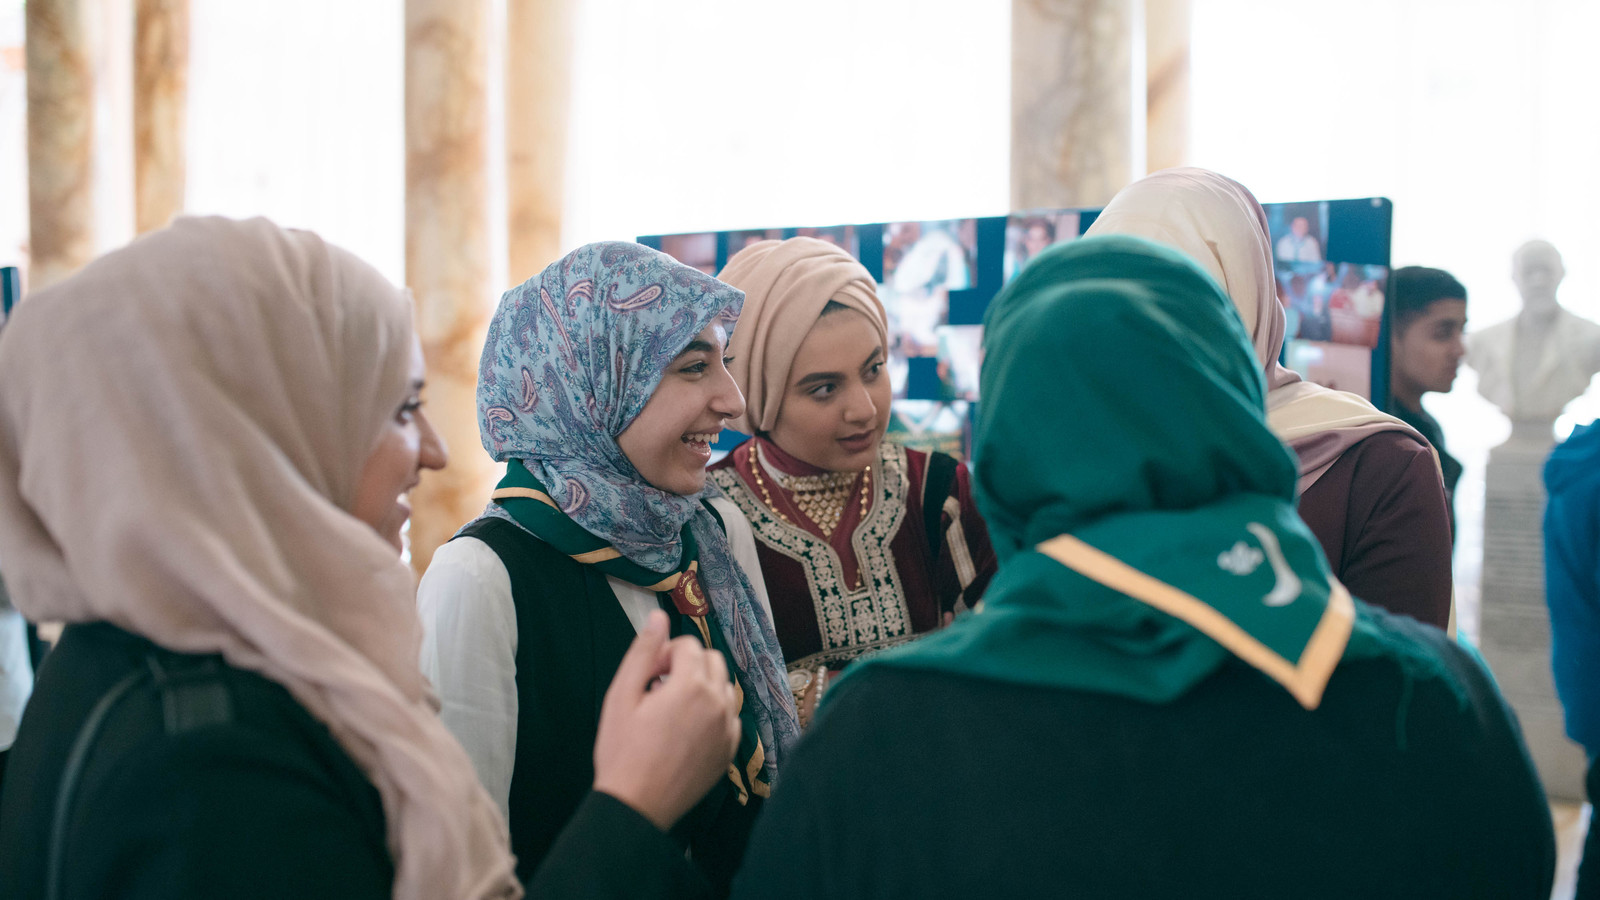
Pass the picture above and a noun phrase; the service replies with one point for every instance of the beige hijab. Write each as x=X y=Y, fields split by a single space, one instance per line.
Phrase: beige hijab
x=1217 y=222
x=182 y=428
x=786 y=284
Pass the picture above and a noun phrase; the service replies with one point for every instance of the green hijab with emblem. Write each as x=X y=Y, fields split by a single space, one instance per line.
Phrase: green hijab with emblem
x=1143 y=512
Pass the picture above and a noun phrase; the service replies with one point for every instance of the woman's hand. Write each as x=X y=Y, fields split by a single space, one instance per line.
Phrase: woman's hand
x=669 y=725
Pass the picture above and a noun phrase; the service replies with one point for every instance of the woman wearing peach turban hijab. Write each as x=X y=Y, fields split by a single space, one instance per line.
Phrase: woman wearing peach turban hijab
x=863 y=543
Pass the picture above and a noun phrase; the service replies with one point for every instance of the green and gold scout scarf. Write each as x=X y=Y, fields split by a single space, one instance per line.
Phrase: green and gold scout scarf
x=524 y=498
x=1143 y=513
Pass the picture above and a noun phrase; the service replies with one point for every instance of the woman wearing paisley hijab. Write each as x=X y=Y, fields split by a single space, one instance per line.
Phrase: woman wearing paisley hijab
x=1369 y=485
x=601 y=387
x=864 y=543
x=1165 y=693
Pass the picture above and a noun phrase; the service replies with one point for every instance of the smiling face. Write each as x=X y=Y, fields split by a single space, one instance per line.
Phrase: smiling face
x=407 y=445
x=836 y=405
x=669 y=443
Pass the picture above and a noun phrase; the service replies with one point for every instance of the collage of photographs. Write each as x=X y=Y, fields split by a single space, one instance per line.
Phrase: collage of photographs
x=934 y=287
x=1334 y=309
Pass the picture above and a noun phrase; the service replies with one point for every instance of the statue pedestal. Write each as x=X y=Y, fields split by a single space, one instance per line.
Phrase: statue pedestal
x=1515 y=632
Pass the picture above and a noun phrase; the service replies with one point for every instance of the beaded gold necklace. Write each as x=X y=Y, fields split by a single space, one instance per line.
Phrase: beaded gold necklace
x=820 y=498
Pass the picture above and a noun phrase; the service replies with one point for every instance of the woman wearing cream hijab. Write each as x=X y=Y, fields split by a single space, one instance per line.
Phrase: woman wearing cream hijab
x=205 y=442
x=1369 y=485
x=863 y=544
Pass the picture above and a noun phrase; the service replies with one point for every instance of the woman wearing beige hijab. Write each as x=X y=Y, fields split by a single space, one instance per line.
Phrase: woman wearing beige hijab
x=205 y=443
x=863 y=544
x=1369 y=484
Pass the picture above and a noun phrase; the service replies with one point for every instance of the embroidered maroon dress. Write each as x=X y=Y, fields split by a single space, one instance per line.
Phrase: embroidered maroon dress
x=873 y=582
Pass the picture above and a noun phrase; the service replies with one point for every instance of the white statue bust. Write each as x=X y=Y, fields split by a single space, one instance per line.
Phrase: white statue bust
x=1533 y=365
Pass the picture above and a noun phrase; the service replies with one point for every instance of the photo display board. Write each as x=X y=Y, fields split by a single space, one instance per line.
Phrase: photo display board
x=936 y=278
x=10 y=291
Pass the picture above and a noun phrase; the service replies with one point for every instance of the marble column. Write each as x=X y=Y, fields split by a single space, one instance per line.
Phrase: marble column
x=1074 y=101
x=538 y=92
x=160 y=109
x=1167 y=26
x=447 y=248
x=61 y=112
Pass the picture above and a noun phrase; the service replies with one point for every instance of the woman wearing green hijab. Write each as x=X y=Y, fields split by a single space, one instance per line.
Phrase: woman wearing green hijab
x=1166 y=692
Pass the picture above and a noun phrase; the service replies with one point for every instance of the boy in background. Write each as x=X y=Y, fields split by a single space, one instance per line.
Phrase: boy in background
x=1430 y=313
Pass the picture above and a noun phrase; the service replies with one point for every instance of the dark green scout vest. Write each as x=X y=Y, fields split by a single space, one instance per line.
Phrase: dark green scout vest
x=571 y=636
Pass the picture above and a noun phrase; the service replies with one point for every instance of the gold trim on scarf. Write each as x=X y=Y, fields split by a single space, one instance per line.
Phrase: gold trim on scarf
x=753 y=768
x=522 y=493
x=1305 y=681
x=758 y=757
x=671 y=581
x=593 y=556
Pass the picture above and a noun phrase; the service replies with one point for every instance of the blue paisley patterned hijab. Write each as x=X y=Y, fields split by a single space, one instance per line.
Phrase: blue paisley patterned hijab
x=571 y=359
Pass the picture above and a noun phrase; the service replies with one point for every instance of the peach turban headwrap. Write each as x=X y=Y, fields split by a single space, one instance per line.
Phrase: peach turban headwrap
x=786 y=284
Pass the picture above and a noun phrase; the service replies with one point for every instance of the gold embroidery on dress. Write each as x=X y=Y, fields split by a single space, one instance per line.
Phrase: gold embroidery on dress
x=851 y=621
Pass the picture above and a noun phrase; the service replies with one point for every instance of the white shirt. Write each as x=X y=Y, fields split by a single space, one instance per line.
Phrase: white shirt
x=16 y=669
x=1294 y=248
x=469 y=642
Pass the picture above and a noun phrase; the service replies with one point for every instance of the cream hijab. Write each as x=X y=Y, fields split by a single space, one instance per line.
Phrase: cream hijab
x=1217 y=222
x=786 y=284
x=182 y=428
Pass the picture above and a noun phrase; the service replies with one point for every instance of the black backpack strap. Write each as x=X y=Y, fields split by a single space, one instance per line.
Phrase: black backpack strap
x=936 y=485
x=77 y=760
x=192 y=696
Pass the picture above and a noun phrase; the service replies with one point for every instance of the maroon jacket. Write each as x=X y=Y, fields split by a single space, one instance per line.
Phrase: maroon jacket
x=1381 y=517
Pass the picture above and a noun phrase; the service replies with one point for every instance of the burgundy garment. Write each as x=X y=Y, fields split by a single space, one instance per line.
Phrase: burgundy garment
x=841 y=539
x=929 y=588
x=1380 y=514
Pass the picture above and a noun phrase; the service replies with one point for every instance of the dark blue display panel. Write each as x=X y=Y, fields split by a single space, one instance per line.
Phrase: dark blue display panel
x=936 y=279
x=10 y=291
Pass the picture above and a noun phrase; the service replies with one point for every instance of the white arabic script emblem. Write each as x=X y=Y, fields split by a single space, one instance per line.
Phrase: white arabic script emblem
x=1243 y=559
x=1287 y=587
